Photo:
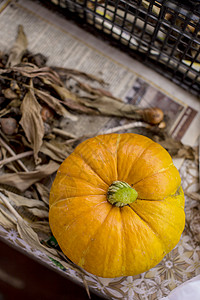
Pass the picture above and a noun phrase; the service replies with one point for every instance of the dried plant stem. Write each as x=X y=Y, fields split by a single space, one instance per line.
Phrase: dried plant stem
x=70 y=141
x=125 y=127
x=9 y=206
x=13 y=154
x=15 y=157
x=63 y=133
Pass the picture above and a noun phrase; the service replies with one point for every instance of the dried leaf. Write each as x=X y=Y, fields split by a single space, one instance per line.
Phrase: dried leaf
x=23 y=180
x=103 y=92
x=18 y=48
x=32 y=123
x=14 y=103
x=95 y=105
x=68 y=72
x=56 y=150
x=42 y=226
x=175 y=148
x=43 y=191
x=193 y=195
x=98 y=102
x=31 y=71
x=6 y=219
x=78 y=107
x=9 y=94
x=70 y=99
x=110 y=107
x=54 y=104
x=63 y=92
x=94 y=91
x=27 y=207
x=30 y=237
x=37 y=212
x=21 y=201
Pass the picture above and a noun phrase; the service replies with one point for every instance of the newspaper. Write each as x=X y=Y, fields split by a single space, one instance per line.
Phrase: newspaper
x=67 y=45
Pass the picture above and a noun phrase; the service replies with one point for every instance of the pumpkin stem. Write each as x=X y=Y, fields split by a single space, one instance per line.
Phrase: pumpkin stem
x=121 y=193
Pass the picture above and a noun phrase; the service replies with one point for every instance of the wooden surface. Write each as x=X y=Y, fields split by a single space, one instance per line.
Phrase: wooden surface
x=22 y=277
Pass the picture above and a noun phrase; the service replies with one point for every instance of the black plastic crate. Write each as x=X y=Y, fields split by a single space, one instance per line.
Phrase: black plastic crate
x=165 y=35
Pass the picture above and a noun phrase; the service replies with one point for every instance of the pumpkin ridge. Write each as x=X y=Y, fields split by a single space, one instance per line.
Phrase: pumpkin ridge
x=144 y=221
x=77 y=177
x=83 y=180
x=117 y=147
x=116 y=151
x=74 y=220
x=82 y=260
x=157 y=172
x=122 y=238
x=150 y=265
x=177 y=193
x=152 y=187
x=64 y=199
x=151 y=142
x=150 y=227
x=124 y=243
x=85 y=161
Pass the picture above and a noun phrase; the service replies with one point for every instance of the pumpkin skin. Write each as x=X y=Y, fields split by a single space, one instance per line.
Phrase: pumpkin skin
x=106 y=240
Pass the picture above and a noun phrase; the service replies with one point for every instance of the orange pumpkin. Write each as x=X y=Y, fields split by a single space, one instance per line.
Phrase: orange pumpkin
x=116 y=205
